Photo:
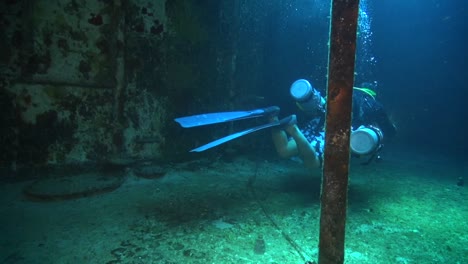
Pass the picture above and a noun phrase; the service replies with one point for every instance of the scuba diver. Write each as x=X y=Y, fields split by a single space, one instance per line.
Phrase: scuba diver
x=369 y=125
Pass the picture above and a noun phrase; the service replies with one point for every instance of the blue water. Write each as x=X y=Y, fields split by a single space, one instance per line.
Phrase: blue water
x=411 y=52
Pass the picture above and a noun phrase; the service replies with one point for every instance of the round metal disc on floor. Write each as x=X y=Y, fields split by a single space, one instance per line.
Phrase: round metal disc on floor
x=150 y=171
x=72 y=186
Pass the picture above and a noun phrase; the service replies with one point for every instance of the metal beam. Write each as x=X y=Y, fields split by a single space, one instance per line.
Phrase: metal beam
x=343 y=26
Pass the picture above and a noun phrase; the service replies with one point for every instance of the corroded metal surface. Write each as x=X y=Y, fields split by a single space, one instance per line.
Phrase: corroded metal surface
x=62 y=64
x=87 y=80
x=339 y=101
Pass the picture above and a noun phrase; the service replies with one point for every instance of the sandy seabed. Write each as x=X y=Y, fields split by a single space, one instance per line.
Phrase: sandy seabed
x=405 y=209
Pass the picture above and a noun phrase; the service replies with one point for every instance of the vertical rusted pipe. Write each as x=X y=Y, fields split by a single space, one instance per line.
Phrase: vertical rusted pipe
x=344 y=17
x=118 y=27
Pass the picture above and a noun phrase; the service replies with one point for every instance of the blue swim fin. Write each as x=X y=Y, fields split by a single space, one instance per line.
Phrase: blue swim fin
x=215 y=118
x=225 y=139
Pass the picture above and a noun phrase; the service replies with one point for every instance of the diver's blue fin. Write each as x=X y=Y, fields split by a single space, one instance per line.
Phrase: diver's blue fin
x=214 y=118
x=242 y=133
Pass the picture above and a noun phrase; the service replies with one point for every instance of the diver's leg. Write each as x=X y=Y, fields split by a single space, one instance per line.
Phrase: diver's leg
x=284 y=147
x=298 y=146
x=306 y=152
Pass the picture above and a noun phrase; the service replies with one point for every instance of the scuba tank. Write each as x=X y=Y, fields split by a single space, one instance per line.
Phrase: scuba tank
x=307 y=98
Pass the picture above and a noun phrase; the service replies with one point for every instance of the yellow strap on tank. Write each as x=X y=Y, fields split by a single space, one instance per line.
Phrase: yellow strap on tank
x=368 y=91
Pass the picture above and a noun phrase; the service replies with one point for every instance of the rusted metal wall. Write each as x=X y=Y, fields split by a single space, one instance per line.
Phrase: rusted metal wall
x=63 y=82
x=93 y=81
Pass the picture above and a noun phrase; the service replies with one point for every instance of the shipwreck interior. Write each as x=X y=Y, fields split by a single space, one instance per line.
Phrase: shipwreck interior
x=89 y=91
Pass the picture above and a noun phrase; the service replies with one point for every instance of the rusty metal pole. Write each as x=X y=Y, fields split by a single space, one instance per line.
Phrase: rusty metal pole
x=343 y=26
x=118 y=28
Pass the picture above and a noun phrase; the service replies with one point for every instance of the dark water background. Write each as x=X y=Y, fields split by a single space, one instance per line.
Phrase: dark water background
x=423 y=67
x=413 y=53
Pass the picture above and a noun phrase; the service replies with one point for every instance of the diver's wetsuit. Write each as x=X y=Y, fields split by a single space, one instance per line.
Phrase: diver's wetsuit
x=366 y=111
